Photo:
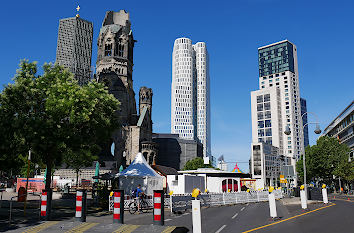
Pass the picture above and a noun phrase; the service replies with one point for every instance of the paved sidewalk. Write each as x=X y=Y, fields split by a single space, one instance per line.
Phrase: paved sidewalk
x=67 y=226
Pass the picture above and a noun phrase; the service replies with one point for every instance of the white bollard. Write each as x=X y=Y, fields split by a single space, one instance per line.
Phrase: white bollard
x=196 y=217
x=303 y=199
x=324 y=195
x=272 y=205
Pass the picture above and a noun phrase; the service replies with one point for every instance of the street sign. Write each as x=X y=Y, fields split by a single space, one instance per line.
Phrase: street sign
x=283 y=180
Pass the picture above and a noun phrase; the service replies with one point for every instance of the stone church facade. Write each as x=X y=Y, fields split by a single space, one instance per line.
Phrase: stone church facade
x=114 y=67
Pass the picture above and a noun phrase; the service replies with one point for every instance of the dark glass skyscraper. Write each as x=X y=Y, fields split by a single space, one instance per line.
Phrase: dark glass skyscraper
x=276 y=58
x=74 y=47
x=304 y=121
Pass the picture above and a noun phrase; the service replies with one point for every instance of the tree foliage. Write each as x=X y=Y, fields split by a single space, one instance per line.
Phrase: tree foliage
x=196 y=163
x=325 y=159
x=53 y=116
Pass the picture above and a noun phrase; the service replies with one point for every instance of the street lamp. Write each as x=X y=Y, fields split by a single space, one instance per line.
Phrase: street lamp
x=316 y=131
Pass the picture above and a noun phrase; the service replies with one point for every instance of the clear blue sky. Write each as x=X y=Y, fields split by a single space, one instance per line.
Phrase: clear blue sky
x=322 y=30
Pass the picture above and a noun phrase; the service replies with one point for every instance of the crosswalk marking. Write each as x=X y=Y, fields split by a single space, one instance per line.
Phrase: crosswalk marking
x=82 y=227
x=41 y=227
x=169 y=229
x=126 y=229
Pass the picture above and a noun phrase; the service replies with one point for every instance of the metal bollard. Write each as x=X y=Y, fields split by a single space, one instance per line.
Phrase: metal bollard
x=303 y=199
x=118 y=207
x=80 y=213
x=324 y=194
x=159 y=216
x=272 y=205
x=46 y=204
x=196 y=217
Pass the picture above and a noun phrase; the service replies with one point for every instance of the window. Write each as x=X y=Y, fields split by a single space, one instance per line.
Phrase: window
x=260 y=139
x=108 y=50
x=267 y=114
x=260 y=132
x=268 y=132
x=121 y=50
x=266 y=97
x=260 y=99
x=267 y=106
x=270 y=85
x=260 y=124
x=259 y=107
x=260 y=115
x=269 y=140
x=267 y=123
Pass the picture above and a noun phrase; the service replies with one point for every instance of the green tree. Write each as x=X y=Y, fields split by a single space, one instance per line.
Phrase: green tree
x=53 y=116
x=325 y=159
x=196 y=163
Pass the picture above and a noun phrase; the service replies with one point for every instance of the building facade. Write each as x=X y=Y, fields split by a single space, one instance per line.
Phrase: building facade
x=277 y=105
x=279 y=78
x=190 y=92
x=74 y=47
x=265 y=164
x=175 y=151
x=342 y=128
x=303 y=104
x=114 y=68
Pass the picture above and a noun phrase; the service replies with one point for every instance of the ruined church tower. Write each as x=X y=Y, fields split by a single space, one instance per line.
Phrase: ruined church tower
x=114 y=67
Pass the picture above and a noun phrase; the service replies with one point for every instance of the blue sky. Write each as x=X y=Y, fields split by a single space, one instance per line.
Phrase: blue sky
x=233 y=30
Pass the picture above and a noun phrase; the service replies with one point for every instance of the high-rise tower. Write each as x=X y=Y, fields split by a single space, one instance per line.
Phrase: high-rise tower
x=277 y=104
x=190 y=98
x=74 y=47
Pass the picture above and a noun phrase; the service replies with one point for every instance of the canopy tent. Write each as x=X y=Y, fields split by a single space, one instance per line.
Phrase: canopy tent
x=237 y=170
x=139 y=172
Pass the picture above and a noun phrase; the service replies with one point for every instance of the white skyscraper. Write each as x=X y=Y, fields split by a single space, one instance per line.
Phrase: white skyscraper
x=190 y=102
x=276 y=104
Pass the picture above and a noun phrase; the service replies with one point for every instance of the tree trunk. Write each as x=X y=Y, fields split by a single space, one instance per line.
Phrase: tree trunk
x=48 y=178
x=77 y=179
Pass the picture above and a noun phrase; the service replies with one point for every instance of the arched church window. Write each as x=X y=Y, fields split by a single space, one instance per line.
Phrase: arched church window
x=108 y=50
x=121 y=50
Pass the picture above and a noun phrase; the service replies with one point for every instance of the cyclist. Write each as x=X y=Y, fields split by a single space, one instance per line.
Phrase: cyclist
x=138 y=195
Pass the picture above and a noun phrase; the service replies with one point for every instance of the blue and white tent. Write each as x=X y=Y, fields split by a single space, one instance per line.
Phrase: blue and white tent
x=140 y=172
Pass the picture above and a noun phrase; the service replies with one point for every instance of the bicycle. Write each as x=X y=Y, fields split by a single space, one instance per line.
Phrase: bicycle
x=133 y=206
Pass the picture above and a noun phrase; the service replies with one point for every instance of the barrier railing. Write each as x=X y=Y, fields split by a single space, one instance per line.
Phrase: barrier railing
x=128 y=200
x=184 y=201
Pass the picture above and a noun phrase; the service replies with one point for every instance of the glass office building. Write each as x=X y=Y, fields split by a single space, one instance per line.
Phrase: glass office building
x=276 y=59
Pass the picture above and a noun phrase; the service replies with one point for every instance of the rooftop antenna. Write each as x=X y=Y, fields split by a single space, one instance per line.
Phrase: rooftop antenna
x=77 y=9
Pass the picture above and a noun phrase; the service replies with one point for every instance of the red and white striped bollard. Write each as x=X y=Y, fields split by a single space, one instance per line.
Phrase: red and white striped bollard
x=44 y=203
x=159 y=207
x=118 y=206
x=80 y=212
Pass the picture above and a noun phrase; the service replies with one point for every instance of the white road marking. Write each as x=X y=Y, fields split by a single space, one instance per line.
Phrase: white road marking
x=242 y=208
x=185 y=214
x=166 y=220
x=234 y=216
x=220 y=229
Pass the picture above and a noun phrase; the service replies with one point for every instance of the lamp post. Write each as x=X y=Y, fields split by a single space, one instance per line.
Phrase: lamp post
x=316 y=131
